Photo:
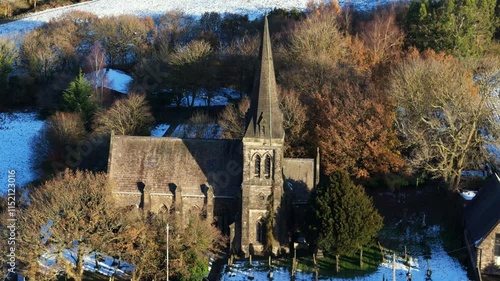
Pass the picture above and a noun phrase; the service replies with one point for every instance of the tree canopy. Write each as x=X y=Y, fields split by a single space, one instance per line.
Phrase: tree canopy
x=75 y=212
x=71 y=212
x=78 y=97
x=459 y=27
x=127 y=116
x=343 y=217
x=444 y=113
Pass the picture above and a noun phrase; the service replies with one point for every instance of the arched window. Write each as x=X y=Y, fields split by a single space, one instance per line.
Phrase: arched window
x=261 y=232
x=257 y=166
x=268 y=166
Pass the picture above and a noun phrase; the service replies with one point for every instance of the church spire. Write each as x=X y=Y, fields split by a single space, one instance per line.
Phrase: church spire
x=266 y=118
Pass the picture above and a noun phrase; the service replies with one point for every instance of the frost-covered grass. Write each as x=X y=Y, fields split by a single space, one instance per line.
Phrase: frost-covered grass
x=17 y=131
x=253 y=8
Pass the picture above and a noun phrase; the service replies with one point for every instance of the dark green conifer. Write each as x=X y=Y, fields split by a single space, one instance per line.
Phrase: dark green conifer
x=343 y=217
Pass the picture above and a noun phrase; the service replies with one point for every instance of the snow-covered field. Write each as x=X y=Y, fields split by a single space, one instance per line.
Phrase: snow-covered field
x=443 y=267
x=16 y=133
x=253 y=8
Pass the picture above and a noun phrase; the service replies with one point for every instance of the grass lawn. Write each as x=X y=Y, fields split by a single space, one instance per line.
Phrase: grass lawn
x=349 y=265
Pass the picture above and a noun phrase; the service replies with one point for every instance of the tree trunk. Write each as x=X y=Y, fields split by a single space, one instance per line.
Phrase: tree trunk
x=361 y=257
x=337 y=267
x=79 y=264
x=455 y=183
x=193 y=97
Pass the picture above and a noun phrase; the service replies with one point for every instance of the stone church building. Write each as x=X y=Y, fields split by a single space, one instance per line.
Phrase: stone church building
x=240 y=184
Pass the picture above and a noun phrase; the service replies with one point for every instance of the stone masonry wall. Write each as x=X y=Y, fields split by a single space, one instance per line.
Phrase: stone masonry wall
x=488 y=259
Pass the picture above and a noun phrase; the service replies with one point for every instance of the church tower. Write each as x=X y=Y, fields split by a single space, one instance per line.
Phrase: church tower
x=262 y=186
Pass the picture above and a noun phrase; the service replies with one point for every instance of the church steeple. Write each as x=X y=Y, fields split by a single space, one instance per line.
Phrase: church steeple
x=265 y=116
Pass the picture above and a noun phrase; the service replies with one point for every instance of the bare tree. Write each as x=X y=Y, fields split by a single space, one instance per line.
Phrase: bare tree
x=294 y=122
x=124 y=37
x=61 y=131
x=382 y=36
x=443 y=114
x=200 y=125
x=232 y=119
x=96 y=62
x=39 y=55
x=317 y=38
x=73 y=212
x=128 y=116
x=239 y=60
x=192 y=69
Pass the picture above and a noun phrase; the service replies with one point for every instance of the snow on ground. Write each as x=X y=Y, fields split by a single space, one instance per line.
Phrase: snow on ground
x=474 y=173
x=199 y=131
x=153 y=8
x=159 y=130
x=105 y=265
x=223 y=96
x=115 y=80
x=443 y=267
x=16 y=138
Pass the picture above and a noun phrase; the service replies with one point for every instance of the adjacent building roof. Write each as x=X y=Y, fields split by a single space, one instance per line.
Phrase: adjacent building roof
x=264 y=116
x=299 y=175
x=483 y=212
x=115 y=80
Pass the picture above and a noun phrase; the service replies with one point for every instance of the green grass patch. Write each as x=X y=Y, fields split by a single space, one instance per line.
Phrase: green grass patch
x=349 y=265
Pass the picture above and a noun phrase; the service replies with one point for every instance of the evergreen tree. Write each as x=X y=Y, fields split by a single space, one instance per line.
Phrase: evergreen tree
x=459 y=27
x=7 y=56
x=343 y=217
x=78 y=97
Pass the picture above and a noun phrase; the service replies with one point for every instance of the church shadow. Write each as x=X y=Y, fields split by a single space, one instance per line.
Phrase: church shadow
x=291 y=216
x=220 y=162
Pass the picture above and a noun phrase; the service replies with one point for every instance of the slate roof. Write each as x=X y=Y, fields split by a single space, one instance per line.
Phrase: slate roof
x=299 y=175
x=483 y=212
x=264 y=115
x=186 y=163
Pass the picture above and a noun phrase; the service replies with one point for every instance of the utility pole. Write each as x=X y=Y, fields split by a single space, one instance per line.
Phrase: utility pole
x=167 y=254
x=393 y=266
